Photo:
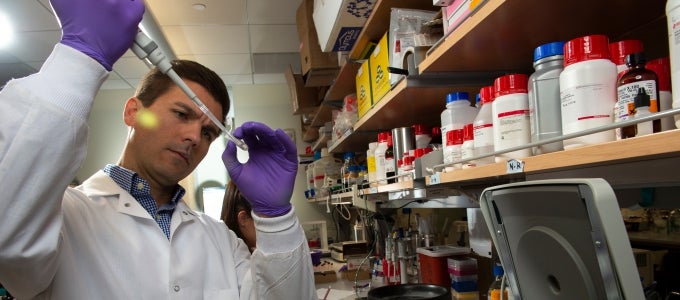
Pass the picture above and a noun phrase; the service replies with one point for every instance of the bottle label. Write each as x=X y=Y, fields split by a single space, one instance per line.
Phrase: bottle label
x=513 y=128
x=389 y=165
x=483 y=135
x=625 y=106
x=585 y=102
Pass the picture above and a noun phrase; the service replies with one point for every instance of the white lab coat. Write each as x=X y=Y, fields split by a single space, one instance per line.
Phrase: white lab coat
x=96 y=241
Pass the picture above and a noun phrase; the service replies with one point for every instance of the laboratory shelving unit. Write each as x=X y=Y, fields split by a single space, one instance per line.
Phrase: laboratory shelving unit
x=499 y=38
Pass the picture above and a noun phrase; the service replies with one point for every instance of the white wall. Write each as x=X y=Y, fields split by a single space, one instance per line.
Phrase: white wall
x=107 y=133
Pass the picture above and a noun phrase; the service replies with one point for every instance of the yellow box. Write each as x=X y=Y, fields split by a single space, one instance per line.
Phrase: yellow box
x=363 y=83
x=380 y=77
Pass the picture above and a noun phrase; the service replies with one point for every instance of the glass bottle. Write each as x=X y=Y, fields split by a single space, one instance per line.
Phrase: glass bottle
x=628 y=87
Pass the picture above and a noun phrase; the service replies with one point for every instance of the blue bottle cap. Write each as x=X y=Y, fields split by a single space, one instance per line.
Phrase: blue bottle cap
x=498 y=270
x=549 y=49
x=455 y=96
x=349 y=155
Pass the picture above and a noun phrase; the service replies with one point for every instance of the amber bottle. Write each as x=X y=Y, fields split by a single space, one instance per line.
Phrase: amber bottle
x=629 y=84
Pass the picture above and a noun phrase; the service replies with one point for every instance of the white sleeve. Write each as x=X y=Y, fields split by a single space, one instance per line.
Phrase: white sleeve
x=281 y=266
x=43 y=139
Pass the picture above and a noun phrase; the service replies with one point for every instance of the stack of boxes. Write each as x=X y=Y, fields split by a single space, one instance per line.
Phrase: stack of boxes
x=373 y=79
x=463 y=273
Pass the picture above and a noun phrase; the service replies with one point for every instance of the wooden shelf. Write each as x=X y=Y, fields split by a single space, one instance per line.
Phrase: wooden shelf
x=345 y=84
x=502 y=34
x=414 y=100
x=645 y=160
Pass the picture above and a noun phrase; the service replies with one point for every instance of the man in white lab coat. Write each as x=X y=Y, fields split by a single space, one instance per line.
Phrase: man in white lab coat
x=126 y=233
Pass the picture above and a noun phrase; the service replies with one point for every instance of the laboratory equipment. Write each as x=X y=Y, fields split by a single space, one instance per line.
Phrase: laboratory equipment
x=147 y=50
x=561 y=238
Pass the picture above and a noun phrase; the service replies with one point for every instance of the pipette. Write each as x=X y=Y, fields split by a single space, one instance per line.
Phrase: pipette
x=146 y=49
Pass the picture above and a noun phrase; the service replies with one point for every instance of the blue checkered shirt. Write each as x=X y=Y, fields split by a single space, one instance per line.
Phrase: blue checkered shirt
x=140 y=190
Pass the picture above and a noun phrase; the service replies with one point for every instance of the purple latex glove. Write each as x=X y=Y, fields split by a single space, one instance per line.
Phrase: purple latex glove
x=267 y=179
x=102 y=29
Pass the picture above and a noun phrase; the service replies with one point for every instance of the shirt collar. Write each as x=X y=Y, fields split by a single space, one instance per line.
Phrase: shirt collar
x=137 y=186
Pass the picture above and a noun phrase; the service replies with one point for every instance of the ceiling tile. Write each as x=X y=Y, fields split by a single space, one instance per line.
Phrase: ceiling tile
x=272 y=12
x=274 y=38
x=237 y=79
x=276 y=62
x=225 y=64
x=269 y=78
x=180 y=12
x=210 y=39
x=35 y=46
x=30 y=15
x=130 y=67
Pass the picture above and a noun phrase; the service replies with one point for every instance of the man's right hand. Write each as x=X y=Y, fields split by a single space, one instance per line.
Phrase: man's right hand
x=102 y=29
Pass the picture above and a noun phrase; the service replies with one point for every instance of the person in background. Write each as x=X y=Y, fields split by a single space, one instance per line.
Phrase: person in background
x=126 y=232
x=236 y=214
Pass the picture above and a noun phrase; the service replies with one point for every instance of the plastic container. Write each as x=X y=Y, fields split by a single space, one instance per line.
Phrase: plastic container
x=587 y=90
x=510 y=110
x=458 y=112
x=464 y=286
x=673 y=18
x=380 y=161
x=636 y=84
x=462 y=266
x=662 y=68
x=422 y=135
x=482 y=127
x=370 y=162
x=452 y=151
x=619 y=50
x=544 y=96
x=467 y=150
x=495 y=287
x=433 y=263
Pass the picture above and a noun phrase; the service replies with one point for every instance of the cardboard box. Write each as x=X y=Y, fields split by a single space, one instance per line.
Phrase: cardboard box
x=339 y=22
x=325 y=277
x=380 y=76
x=318 y=68
x=303 y=100
x=363 y=86
x=458 y=12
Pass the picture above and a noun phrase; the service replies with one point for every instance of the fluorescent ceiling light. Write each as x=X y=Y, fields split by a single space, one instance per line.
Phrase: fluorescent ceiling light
x=6 y=32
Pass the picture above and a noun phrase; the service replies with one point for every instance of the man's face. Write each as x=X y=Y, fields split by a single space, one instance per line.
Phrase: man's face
x=171 y=136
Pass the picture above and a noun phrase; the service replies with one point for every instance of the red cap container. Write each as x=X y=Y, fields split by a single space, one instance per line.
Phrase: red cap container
x=419 y=129
x=619 y=50
x=662 y=68
x=486 y=94
x=586 y=48
x=384 y=136
x=510 y=84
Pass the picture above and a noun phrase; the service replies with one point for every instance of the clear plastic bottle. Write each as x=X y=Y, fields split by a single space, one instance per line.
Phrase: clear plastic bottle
x=495 y=287
x=544 y=96
x=587 y=90
x=511 y=127
x=483 y=127
x=631 y=83
x=380 y=172
x=458 y=112
x=467 y=150
x=349 y=161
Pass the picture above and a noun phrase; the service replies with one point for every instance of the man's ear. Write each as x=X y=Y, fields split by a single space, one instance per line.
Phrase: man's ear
x=132 y=107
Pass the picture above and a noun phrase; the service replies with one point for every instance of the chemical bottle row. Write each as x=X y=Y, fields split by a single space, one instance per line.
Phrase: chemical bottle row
x=577 y=85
